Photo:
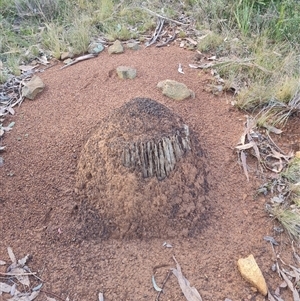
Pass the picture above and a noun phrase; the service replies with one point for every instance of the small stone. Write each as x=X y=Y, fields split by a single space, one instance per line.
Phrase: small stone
x=252 y=273
x=33 y=87
x=66 y=55
x=133 y=46
x=116 y=47
x=95 y=48
x=297 y=154
x=174 y=89
x=125 y=72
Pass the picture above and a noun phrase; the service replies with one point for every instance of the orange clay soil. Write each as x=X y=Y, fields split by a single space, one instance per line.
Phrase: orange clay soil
x=43 y=213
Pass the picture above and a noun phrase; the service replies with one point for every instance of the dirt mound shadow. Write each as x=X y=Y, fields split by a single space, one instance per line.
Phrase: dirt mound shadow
x=143 y=172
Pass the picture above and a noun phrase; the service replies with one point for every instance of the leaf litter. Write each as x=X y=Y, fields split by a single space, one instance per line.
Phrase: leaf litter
x=290 y=276
x=18 y=283
x=255 y=143
x=190 y=293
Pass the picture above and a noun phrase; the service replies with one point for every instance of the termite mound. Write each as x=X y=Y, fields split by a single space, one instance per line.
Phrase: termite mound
x=142 y=171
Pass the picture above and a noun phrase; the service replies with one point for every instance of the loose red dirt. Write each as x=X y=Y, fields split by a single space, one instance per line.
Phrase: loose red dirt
x=42 y=215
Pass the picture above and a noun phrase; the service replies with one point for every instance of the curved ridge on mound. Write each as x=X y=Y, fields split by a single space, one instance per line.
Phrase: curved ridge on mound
x=143 y=172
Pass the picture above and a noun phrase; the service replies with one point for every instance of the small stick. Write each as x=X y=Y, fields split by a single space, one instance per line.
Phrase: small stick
x=15 y=274
x=79 y=59
x=170 y=39
x=52 y=294
x=157 y=32
x=162 y=17
x=163 y=285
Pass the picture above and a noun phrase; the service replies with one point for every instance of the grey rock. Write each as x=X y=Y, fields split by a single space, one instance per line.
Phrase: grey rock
x=125 y=72
x=33 y=87
x=133 y=45
x=116 y=47
x=95 y=48
x=174 y=89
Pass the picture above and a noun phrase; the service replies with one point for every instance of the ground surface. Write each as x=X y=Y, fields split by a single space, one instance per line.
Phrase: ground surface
x=41 y=215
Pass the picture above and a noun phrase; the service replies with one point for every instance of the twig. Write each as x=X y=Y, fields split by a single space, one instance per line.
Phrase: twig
x=158 y=29
x=79 y=59
x=52 y=294
x=163 y=285
x=278 y=148
x=17 y=274
x=163 y=17
x=170 y=39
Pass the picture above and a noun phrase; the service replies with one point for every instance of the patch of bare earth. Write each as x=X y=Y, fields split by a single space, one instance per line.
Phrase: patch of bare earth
x=41 y=214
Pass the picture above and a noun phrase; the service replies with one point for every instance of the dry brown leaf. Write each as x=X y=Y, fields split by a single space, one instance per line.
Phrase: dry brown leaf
x=189 y=292
x=26 y=68
x=270 y=297
x=33 y=295
x=11 y=255
x=273 y=129
x=290 y=286
x=23 y=260
x=193 y=42
x=100 y=297
x=244 y=164
x=245 y=146
x=5 y=288
x=283 y=284
x=18 y=273
x=11 y=110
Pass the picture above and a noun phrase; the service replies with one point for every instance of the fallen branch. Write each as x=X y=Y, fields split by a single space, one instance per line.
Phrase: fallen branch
x=163 y=17
x=156 y=34
x=18 y=274
x=80 y=59
x=170 y=39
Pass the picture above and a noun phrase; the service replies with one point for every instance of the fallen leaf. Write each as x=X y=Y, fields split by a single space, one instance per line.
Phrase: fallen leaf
x=271 y=240
x=270 y=297
x=33 y=295
x=156 y=287
x=38 y=287
x=11 y=124
x=11 y=110
x=212 y=58
x=189 y=292
x=291 y=287
x=245 y=146
x=23 y=260
x=193 y=42
x=26 y=68
x=43 y=59
x=50 y=299
x=18 y=273
x=180 y=69
x=5 y=288
x=11 y=255
x=273 y=129
x=13 y=289
x=244 y=164
x=100 y=297
x=283 y=285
